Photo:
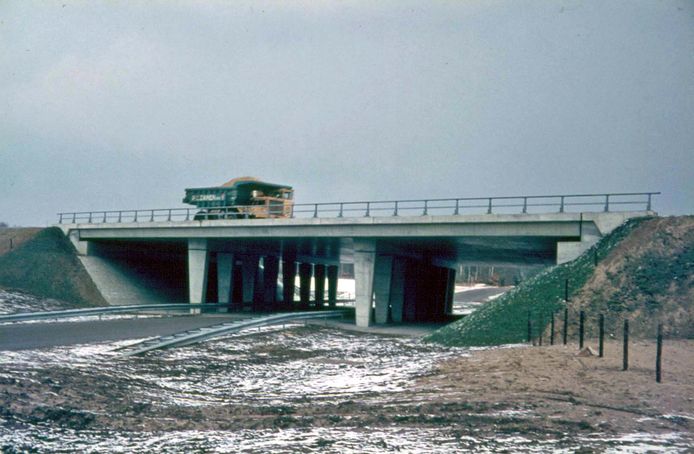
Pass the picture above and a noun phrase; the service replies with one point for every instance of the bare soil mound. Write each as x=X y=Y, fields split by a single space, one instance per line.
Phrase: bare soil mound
x=648 y=278
x=11 y=238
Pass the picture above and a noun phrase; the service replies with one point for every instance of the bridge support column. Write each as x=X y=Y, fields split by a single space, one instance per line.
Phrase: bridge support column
x=249 y=274
x=305 y=284
x=397 y=290
x=319 y=277
x=270 y=273
x=198 y=264
x=288 y=281
x=225 y=281
x=332 y=285
x=383 y=271
x=450 y=292
x=364 y=264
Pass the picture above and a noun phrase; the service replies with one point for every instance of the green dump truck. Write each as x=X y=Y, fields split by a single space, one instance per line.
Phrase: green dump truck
x=242 y=198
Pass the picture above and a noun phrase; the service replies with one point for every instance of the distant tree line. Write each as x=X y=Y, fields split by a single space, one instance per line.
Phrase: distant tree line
x=3 y=225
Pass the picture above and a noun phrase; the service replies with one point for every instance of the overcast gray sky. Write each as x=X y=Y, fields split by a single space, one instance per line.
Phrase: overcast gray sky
x=123 y=104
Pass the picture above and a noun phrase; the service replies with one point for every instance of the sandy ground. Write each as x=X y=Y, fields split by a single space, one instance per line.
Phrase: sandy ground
x=551 y=386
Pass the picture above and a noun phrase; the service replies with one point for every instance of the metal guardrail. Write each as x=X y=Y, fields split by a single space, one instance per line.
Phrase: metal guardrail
x=49 y=315
x=624 y=201
x=203 y=334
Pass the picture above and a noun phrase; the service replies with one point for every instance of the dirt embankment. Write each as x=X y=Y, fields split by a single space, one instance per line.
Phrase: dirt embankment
x=11 y=238
x=648 y=278
x=45 y=263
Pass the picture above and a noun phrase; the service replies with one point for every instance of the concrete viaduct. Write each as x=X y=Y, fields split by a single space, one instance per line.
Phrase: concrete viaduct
x=404 y=262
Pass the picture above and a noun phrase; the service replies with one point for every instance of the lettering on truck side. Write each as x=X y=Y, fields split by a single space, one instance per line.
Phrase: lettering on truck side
x=206 y=197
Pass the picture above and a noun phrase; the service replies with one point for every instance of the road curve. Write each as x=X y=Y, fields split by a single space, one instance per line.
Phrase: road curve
x=28 y=336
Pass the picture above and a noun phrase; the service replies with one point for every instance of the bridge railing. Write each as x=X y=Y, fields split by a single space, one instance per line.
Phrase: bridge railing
x=565 y=203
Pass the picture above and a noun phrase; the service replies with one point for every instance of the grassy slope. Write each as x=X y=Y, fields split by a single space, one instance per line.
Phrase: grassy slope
x=47 y=266
x=505 y=320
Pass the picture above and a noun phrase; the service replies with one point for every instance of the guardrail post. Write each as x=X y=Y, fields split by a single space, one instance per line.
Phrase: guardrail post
x=315 y=210
x=169 y=216
x=90 y=217
x=395 y=211
x=74 y=218
x=104 y=220
x=60 y=220
x=368 y=210
x=120 y=216
x=342 y=207
x=489 y=207
x=135 y=217
x=426 y=208
x=648 y=204
x=525 y=205
x=457 y=207
x=151 y=218
x=561 y=205
x=607 y=203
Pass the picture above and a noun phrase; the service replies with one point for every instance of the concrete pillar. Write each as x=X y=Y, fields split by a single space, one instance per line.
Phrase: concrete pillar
x=364 y=264
x=270 y=273
x=333 y=271
x=305 y=284
x=288 y=281
x=412 y=290
x=198 y=263
x=249 y=273
x=450 y=292
x=397 y=290
x=259 y=288
x=319 y=278
x=225 y=283
x=382 y=277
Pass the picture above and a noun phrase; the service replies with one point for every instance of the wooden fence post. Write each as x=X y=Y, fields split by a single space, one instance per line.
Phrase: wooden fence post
x=659 y=354
x=581 y=321
x=625 y=349
x=566 y=324
x=601 y=346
